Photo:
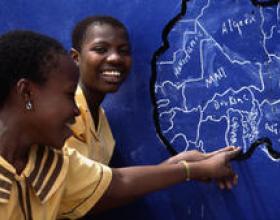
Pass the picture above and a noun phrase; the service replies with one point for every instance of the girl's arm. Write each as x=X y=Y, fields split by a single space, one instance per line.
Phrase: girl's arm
x=133 y=182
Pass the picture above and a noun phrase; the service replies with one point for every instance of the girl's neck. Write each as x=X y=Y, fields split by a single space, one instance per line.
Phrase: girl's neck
x=13 y=146
x=94 y=99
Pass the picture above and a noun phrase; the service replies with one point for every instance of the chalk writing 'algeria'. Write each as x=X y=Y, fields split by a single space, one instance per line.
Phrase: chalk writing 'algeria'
x=232 y=25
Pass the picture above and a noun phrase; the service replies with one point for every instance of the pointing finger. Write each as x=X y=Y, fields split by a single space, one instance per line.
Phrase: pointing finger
x=229 y=155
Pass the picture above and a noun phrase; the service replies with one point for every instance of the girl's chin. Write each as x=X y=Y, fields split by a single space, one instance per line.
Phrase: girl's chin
x=112 y=88
x=59 y=144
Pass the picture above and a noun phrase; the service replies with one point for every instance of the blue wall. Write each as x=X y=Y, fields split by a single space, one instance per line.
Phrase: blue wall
x=130 y=111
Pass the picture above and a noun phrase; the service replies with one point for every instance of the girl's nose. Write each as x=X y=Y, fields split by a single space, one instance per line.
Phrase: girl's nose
x=114 y=57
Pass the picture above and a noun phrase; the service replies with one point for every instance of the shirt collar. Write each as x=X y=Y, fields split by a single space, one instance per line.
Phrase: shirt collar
x=79 y=128
x=45 y=172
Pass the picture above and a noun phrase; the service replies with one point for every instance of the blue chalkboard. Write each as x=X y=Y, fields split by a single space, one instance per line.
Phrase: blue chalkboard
x=216 y=82
x=205 y=74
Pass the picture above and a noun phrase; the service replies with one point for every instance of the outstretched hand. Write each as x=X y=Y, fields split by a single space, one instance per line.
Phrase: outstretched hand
x=195 y=155
x=216 y=165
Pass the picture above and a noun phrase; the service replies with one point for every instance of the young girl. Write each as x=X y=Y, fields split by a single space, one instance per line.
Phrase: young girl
x=37 y=181
x=40 y=181
x=101 y=50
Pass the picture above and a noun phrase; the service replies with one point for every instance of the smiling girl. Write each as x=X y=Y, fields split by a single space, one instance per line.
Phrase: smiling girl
x=101 y=50
x=39 y=180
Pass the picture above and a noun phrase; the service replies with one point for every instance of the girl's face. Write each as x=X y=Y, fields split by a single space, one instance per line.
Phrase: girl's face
x=104 y=60
x=54 y=107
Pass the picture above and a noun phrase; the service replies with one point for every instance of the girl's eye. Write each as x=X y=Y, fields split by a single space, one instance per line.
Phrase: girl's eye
x=124 y=51
x=99 y=49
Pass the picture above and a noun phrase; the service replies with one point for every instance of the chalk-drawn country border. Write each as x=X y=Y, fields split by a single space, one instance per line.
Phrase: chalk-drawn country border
x=239 y=24
x=232 y=56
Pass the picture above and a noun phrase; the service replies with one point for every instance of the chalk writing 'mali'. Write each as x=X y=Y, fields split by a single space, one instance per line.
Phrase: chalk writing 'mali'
x=214 y=78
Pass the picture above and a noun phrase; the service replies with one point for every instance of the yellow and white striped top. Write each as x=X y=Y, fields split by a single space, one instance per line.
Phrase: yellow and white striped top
x=53 y=185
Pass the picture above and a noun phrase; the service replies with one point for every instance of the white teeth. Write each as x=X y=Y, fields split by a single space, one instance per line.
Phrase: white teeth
x=111 y=73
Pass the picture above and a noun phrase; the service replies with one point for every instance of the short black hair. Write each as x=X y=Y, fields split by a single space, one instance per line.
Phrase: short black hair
x=80 y=30
x=26 y=54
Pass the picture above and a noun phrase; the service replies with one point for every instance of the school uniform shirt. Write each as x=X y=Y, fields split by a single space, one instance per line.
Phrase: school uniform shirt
x=95 y=144
x=54 y=184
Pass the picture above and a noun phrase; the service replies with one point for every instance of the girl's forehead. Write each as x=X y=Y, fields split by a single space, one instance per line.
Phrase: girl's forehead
x=98 y=29
x=103 y=25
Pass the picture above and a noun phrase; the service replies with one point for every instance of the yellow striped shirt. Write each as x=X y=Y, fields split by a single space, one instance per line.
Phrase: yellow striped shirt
x=53 y=185
x=96 y=144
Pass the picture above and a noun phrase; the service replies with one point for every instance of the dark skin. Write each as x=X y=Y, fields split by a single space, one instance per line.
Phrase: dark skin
x=48 y=120
x=44 y=124
x=131 y=182
x=104 y=62
x=93 y=104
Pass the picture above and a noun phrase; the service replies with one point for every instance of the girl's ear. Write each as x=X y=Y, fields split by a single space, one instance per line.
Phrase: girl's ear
x=24 y=88
x=75 y=56
x=24 y=91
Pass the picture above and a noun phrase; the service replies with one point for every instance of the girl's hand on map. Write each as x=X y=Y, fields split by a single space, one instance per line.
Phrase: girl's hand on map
x=194 y=155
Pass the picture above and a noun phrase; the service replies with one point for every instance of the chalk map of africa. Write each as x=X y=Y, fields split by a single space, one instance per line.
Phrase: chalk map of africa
x=218 y=82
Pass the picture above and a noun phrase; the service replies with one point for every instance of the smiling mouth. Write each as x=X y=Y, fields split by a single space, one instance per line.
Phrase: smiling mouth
x=112 y=76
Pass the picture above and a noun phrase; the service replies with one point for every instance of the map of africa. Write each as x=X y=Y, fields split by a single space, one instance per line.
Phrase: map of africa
x=218 y=82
